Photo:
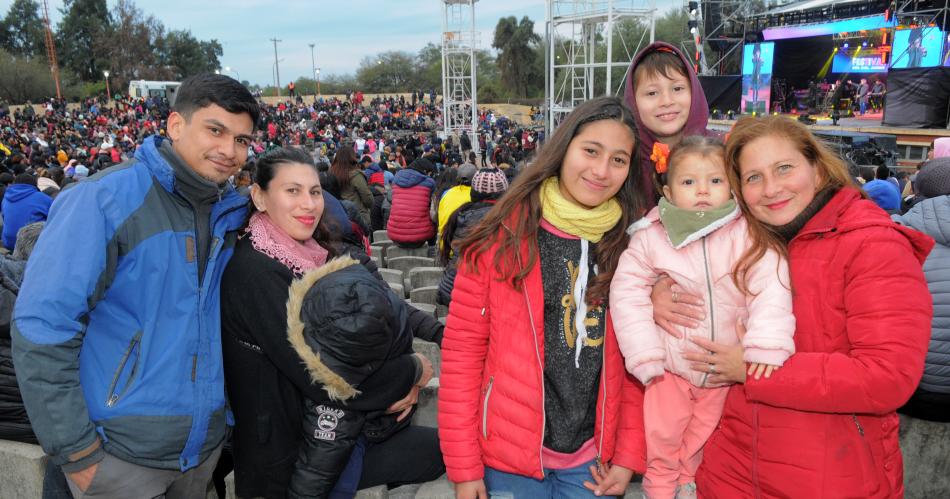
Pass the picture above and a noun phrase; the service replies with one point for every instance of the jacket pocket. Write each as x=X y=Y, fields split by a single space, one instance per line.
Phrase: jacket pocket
x=491 y=382
x=869 y=468
x=125 y=373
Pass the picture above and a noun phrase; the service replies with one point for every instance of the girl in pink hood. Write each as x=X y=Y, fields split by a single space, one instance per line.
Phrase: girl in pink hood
x=697 y=237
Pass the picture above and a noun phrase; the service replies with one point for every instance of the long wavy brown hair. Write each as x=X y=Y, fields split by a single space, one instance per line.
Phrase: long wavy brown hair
x=832 y=173
x=517 y=215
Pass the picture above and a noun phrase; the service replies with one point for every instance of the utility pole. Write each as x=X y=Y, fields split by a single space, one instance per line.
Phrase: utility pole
x=50 y=48
x=276 y=65
x=313 y=67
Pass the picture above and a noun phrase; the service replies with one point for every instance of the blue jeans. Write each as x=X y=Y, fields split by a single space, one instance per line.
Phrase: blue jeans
x=566 y=484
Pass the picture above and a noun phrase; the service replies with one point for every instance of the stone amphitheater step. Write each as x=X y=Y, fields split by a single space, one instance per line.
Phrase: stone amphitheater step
x=378 y=250
x=425 y=276
x=395 y=251
x=431 y=351
x=425 y=294
x=380 y=235
x=407 y=263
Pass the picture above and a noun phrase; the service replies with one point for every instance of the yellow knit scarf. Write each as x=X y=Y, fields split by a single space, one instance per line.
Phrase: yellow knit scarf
x=576 y=220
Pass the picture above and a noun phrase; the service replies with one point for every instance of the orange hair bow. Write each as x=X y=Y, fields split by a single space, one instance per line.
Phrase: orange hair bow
x=659 y=156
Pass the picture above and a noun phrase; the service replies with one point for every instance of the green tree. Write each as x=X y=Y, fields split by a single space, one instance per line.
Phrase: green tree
x=518 y=50
x=185 y=55
x=85 y=26
x=133 y=45
x=392 y=71
x=23 y=79
x=24 y=32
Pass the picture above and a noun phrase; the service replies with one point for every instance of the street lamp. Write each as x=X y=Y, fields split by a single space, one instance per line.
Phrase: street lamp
x=229 y=70
x=318 y=81
x=313 y=67
x=108 y=91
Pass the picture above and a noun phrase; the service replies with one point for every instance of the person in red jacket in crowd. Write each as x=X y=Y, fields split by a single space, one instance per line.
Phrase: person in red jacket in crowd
x=410 y=225
x=824 y=425
x=534 y=398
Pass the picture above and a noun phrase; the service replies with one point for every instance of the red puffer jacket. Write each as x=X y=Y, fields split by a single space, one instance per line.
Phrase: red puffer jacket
x=409 y=220
x=491 y=398
x=824 y=425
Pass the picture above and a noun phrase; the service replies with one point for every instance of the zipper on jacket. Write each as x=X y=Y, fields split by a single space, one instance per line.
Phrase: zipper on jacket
x=858 y=424
x=491 y=381
x=194 y=367
x=755 y=449
x=712 y=308
x=114 y=396
x=603 y=406
x=537 y=352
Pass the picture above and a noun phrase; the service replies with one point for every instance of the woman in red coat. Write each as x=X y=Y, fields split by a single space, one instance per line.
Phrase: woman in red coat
x=534 y=398
x=824 y=424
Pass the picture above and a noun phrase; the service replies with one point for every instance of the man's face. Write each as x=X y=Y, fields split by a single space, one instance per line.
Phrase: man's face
x=213 y=142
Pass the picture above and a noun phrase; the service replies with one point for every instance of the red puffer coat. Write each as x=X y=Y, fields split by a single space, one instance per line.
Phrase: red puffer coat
x=491 y=398
x=409 y=220
x=824 y=425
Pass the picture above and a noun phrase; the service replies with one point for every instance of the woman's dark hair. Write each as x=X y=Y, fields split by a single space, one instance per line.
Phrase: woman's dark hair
x=661 y=61
x=201 y=90
x=448 y=232
x=447 y=180
x=343 y=163
x=517 y=215
x=267 y=166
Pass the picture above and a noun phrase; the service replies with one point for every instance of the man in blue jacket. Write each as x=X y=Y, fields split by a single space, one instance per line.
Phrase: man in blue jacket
x=23 y=204
x=116 y=333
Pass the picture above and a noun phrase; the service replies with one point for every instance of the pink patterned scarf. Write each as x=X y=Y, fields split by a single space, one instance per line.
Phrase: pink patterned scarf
x=270 y=240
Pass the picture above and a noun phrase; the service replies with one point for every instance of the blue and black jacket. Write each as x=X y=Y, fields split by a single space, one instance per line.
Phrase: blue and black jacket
x=114 y=335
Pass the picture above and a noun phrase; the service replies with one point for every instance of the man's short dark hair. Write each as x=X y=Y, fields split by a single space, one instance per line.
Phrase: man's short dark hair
x=202 y=90
x=25 y=178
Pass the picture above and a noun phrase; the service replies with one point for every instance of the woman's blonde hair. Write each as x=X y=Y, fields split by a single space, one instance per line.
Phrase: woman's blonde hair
x=832 y=173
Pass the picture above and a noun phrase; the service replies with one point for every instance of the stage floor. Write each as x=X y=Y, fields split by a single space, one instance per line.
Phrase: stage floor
x=869 y=123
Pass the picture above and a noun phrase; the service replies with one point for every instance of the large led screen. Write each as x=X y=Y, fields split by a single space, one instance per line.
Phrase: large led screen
x=757 y=77
x=860 y=63
x=917 y=47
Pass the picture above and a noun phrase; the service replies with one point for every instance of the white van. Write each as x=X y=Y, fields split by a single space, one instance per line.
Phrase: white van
x=146 y=89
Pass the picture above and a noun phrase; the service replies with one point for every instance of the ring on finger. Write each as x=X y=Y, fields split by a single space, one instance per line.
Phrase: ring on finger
x=712 y=368
x=675 y=297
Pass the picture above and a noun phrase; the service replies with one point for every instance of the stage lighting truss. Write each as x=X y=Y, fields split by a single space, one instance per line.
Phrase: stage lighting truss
x=459 y=86
x=589 y=49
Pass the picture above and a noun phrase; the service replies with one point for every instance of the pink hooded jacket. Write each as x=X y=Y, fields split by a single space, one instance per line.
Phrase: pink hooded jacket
x=702 y=266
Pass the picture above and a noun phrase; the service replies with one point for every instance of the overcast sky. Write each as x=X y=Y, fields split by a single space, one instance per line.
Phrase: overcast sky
x=343 y=31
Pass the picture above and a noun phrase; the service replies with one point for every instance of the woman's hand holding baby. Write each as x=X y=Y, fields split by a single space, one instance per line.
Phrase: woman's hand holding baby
x=672 y=309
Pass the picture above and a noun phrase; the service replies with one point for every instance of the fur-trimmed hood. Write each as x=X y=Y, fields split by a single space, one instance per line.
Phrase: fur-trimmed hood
x=342 y=323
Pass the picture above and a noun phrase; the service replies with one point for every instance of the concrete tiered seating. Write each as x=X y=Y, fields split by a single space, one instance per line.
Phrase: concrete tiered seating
x=425 y=276
x=395 y=280
x=431 y=351
x=425 y=294
x=24 y=466
x=380 y=235
x=395 y=251
x=407 y=263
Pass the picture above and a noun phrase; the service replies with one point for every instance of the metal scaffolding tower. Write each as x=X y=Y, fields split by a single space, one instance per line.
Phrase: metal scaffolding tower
x=722 y=27
x=578 y=66
x=459 y=89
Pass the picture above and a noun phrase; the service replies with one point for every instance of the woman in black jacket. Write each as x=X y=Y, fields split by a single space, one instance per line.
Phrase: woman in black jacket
x=266 y=381
x=488 y=185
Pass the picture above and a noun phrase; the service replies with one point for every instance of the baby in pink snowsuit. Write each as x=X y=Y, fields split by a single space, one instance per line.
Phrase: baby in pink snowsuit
x=696 y=236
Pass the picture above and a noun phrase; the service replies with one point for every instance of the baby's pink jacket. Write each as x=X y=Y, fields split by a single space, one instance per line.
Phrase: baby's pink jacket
x=702 y=266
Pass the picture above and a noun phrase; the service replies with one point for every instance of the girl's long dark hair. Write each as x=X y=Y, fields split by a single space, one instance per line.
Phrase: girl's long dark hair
x=343 y=163
x=517 y=215
x=266 y=169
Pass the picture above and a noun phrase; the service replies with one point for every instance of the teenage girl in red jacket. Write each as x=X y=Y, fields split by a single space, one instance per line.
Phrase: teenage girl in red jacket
x=534 y=398
x=823 y=425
